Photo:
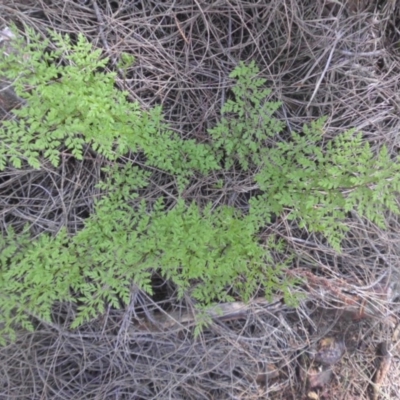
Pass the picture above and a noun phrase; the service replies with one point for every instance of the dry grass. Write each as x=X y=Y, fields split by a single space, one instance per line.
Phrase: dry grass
x=319 y=58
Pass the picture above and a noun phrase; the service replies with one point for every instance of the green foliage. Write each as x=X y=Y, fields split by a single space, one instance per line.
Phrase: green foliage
x=213 y=254
x=247 y=120
x=204 y=253
x=34 y=274
x=307 y=178
x=70 y=102
x=319 y=185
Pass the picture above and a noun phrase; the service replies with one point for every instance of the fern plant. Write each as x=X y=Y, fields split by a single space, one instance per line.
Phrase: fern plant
x=306 y=178
x=247 y=120
x=319 y=185
x=73 y=103
x=214 y=254
x=205 y=253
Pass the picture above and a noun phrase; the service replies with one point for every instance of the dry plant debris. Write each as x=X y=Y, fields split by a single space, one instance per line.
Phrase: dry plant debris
x=333 y=58
x=330 y=351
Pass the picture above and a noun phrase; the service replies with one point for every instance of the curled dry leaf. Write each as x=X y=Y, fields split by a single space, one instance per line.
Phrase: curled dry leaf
x=330 y=351
x=312 y=395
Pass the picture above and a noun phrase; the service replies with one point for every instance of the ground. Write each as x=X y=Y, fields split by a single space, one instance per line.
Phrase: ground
x=320 y=58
